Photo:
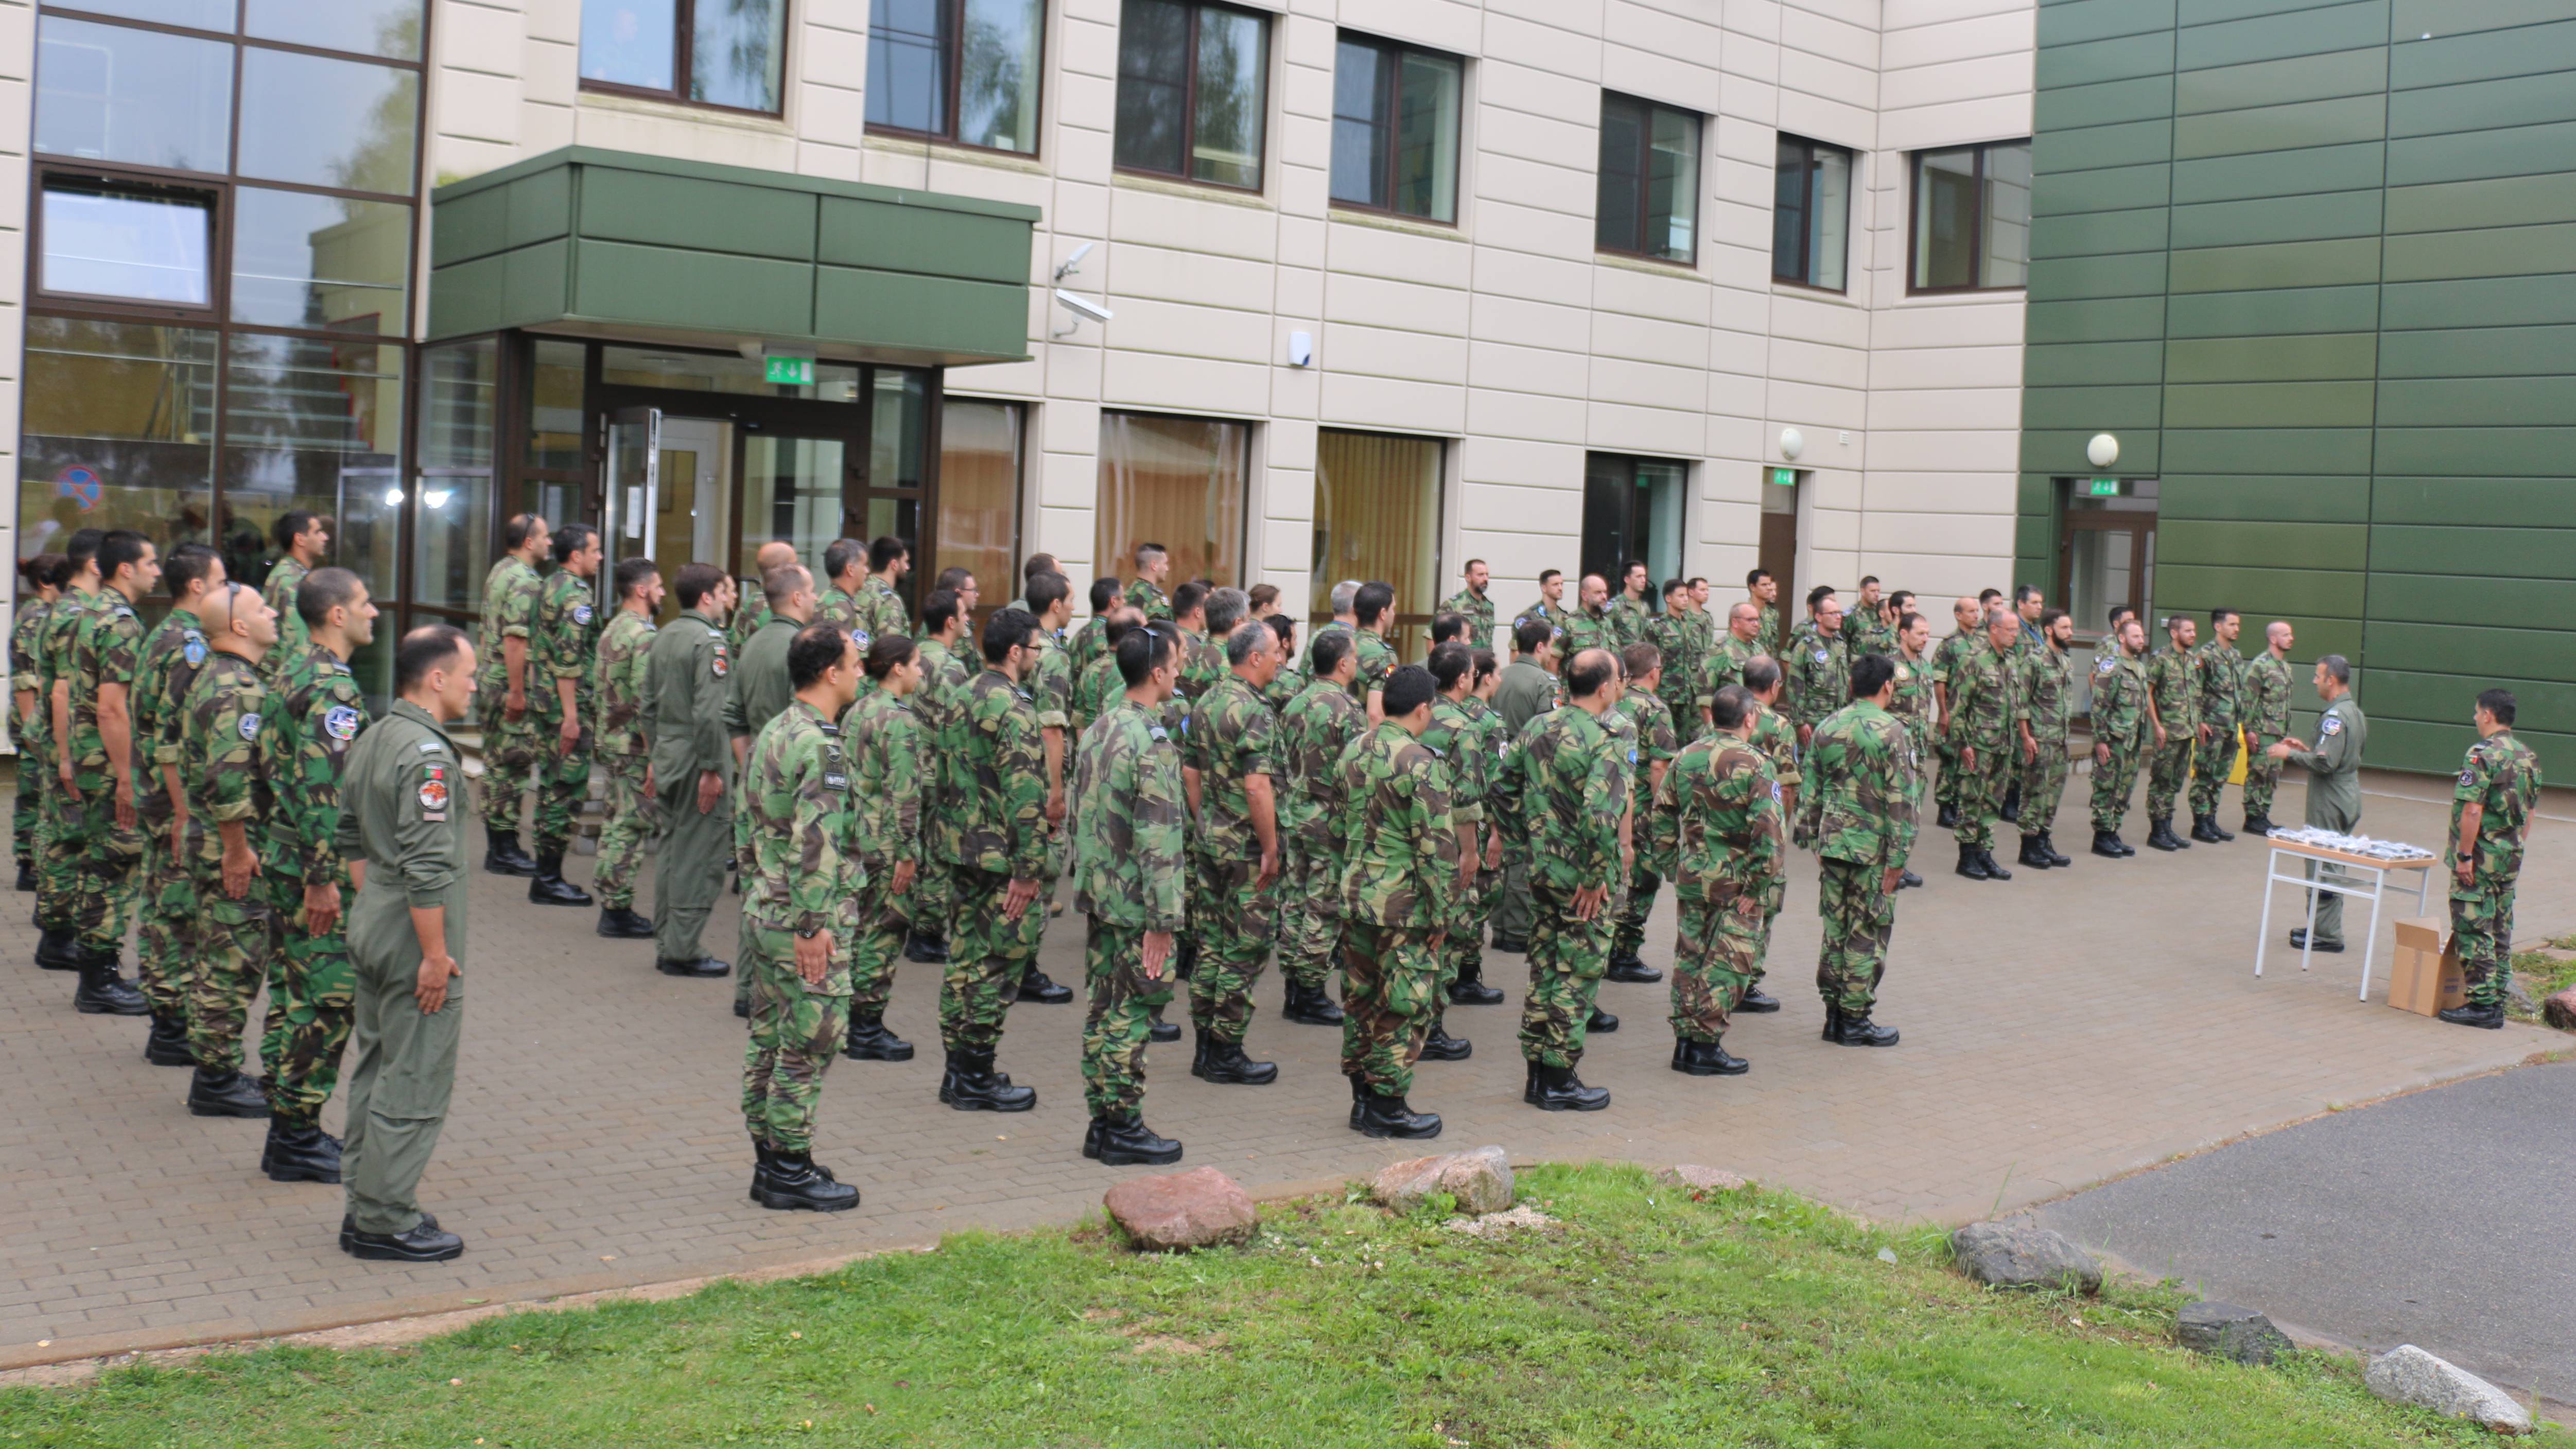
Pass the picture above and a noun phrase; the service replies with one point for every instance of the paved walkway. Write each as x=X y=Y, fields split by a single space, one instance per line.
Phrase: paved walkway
x=2060 y=1030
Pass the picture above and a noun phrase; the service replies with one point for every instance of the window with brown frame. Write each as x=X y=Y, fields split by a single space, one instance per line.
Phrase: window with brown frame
x=729 y=54
x=1395 y=128
x=1193 y=88
x=1811 y=215
x=959 y=70
x=1971 y=218
x=1649 y=184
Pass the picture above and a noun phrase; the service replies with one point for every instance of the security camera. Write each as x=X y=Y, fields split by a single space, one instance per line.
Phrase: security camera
x=1082 y=306
x=1073 y=263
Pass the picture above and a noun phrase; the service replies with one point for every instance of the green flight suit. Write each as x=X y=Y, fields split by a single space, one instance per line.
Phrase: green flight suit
x=1524 y=693
x=2334 y=798
x=689 y=669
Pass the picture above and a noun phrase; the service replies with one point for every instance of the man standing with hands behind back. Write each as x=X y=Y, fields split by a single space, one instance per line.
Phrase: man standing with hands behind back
x=2490 y=819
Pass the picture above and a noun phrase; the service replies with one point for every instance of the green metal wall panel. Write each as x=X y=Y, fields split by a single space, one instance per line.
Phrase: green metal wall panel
x=664 y=287
x=2274 y=313
x=2500 y=551
x=2331 y=355
x=2278 y=264
x=2507 y=201
x=2308 y=30
x=906 y=309
x=2305 y=172
x=2507 y=502
x=2279 y=82
x=2107 y=60
x=893 y=238
x=2341 y=214
x=2073 y=22
x=697 y=215
x=2218 y=497
x=2343 y=546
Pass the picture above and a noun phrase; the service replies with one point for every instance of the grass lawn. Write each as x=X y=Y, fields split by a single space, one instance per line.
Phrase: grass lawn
x=1641 y=1317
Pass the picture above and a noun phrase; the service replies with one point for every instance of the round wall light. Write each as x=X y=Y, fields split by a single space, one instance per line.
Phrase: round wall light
x=1792 y=443
x=2103 y=451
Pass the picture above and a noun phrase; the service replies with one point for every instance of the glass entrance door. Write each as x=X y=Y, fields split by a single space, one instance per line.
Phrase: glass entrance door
x=792 y=490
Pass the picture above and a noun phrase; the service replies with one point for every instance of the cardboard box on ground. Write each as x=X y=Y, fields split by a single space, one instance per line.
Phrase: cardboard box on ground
x=2427 y=977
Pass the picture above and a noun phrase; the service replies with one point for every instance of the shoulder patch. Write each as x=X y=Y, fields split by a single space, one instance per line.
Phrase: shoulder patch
x=250 y=726
x=2331 y=725
x=581 y=615
x=430 y=747
x=433 y=791
x=1822 y=656
x=124 y=612
x=193 y=649
x=2468 y=777
x=341 y=723
x=861 y=639
x=1158 y=732
x=721 y=665
x=1903 y=674
x=2105 y=664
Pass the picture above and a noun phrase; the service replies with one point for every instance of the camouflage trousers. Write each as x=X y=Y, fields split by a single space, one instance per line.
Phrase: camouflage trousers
x=1310 y=912
x=796 y=1030
x=877 y=944
x=1234 y=943
x=2169 y=772
x=924 y=908
x=2113 y=779
x=311 y=994
x=987 y=956
x=1121 y=1020
x=622 y=834
x=2211 y=765
x=232 y=947
x=2262 y=775
x=1566 y=959
x=1980 y=793
x=1467 y=925
x=1945 y=789
x=1390 y=989
x=1715 y=958
x=1859 y=915
x=1636 y=904
x=1513 y=906
x=28 y=810
x=563 y=787
x=2043 y=786
x=510 y=750
x=2482 y=932
x=1773 y=898
x=58 y=855
x=167 y=902
x=94 y=861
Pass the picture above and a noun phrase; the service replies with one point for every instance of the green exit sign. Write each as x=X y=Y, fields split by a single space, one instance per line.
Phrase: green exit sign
x=2103 y=488
x=795 y=371
x=1785 y=477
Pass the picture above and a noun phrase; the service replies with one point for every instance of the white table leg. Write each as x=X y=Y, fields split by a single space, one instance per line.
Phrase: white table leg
x=2308 y=940
x=2379 y=886
x=2271 y=878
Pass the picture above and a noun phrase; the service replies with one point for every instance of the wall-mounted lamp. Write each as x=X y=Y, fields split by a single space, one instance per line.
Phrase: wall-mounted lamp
x=2103 y=451
x=1792 y=443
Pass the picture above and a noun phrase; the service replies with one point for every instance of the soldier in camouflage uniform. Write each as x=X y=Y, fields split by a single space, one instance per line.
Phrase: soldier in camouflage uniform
x=1549 y=610
x=945 y=673
x=1487 y=735
x=58 y=853
x=1769 y=731
x=506 y=688
x=1915 y=701
x=1130 y=883
x=988 y=828
x=1865 y=630
x=1091 y=642
x=172 y=654
x=2490 y=815
x=1471 y=604
x=622 y=682
x=1591 y=625
x=1634 y=606
x=1232 y=757
x=1467 y=766
x=1966 y=621
x=106 y=762
x=2045 y=677
x=1374 y=607
x=1817 y=664
x=1565 y=783
x=1741 y=641
x=890 y=776
x=2120 y=735
x=1318 y=725
x=1289 y=682
x=804 y=896
x=1656 y=742
x=845 y=565
x=303 y=539
x=1763 y=592
x=881 y=608
x=2222 y=685
x=1984 y=739
x=315 y=713
x=563 y=654
x=233 y=939
x=1049 y=682
x=1145 y=594
x=2173 y=705
x=1528 y=688
x=44 y=574
x=2266 y=713
x=1861 y=771
x=1400 y=868
x=1688 y=669
x=1730 y=846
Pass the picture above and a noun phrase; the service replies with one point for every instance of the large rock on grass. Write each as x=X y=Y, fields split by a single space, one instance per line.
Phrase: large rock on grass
x=1696 y=1179
x=2223 y=1330
x=1481 y=1181
x=2024 y=1255
x=2560 y=1010
x=1201 y=1208
x=2409 y=1375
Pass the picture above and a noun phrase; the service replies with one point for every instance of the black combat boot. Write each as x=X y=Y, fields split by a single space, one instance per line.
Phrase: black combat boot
x=1757 y=1000
x=927 y=948
x=2160 y=835
x=1833 y=1021
x=2222 y=832
x=624 y=923
x=1949 y=817
x=502 y=855
x=1602 y=1023
x=1359 y=1099
x=427 y=1242
x=2033 y=854
x=2299 y=939
x=549 y=888
x=1860 y=1031
x=1994 y=871
x=349 y=1228
x=706 y=966
x=794 y=1184
x=1440 y=1046
x=1224 y=1062
x=2204 y=828
x=2489 y=1017
x=1628 y=966
x=761 y=1156
x=1908 y=880
x=2258 y=825
x=1128 y=1142
x=1165 y=1031
x=971 y=1085
x=225 y=1093
x=1310 y=1006
x=167 y=1046
x=102 y=991
x=2107 y=843
x=2048 y=847
x=1706 y=1059
x=1470 y=988
x=1558 y=1089
x=1972 y=863
x=26 y=876
x=58 y=949
x=299 y=1152
x=869 y=1041
x=1384 y=1116
x=1037 y=986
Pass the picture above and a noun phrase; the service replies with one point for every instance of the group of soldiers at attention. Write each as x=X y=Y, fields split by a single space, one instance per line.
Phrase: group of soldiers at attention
x=883 y=783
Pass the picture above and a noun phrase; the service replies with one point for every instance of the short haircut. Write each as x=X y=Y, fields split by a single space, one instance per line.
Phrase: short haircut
x=941 y=608
x=1104 y=594
x=1591 y=671
x=1756 y=576
x=1907 y=620
x=1330 y=648
x=1407 y=690
x=2337 y=668
x=1870 y=674
x=1988 y=596
x=2497 y=702
x=1868 y=579
x=514 y=533
x=1901 y=597
x=954 y=578
x=883 y=553
x=1284 y=627
x=885 y=653
x=1146 y=553
x=632 y=574
x=1761 y=672
x=1675 y=586
x=1039 y=563
x=1628 y=567
x=2022 y=592
x=695 y=582
x=429 y=647
x=46 y=570
x=1225 y=609
x=1189 y=598
x=83 y=546
x=121 y=546
x=1445 y=627
x=2118 y=611
x=1343 y=594
x=569 y=540
x=1449 y=663
x=2219 y=616
x=2174 y=623
x=324 y=590
x=1141 y=651
x=293 y=524
x=841 y=554
x=1120 y=625
x=1486 y=664
x=1816 y=596
x=186 y=564
x=1375 y=602
x=817 y=647
x=1546 y=574
x=1044 y=590
x=2048 y=619
x=1531 y=635
x=1007 y=630
x=781 y=581
x=1641 y=659
x=1245 y=641
x=1473 y=563
x=1728 y=707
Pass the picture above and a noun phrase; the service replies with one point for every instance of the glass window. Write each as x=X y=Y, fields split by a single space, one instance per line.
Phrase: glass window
x=555 y=408
x=791 y=490
x=118 y=433
x=988 y=54
x=1176 y=482
x=979 y=488
x=1395 y=128
x=1632 y=509
x=390 y=28
x=141 y=243
x=1193 y=82
x=460 y=412
x=328 y=262
x=1377 y=516
x=631 y=43
x=1972 y=217
x=898 y=431
x=194 y=14
x=110 y=93
x=311 y=424
x=1811 y=215
x=327 y=122
x=733 y=52
x=1649 y=187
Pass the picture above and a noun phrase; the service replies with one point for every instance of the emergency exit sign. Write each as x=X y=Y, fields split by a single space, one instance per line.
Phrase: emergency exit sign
x=794 y=371
x=2103 y=488
x=1785 y=477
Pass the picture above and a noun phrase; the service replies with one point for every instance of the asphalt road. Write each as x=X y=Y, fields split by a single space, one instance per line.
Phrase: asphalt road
x=2445 y=1219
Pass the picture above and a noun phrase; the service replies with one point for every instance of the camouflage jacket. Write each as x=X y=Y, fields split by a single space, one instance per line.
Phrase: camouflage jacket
x=510 y=593
x=1866 y=633
x=1819 y=674
x=1630 y=617
x=1051 y=686
x=841 y=609
x=1914 y=702
x=1587 y=630
x=2222 y=682
x=55 y=644
x=315 y=713
x=1399 y=840
x=623 y=686
x=2173 y=678
x=173 y=653
x=881 y=612
x=1730 y=839
x=1147 y=595
x=1318 y=725
x=1654 y=741
x=2266 y=700
x=990 y=813
x=1232 y=737
x=1096 y=692
x=1554 y=614
x=945 y=673
x=1945 y=657
x=2502 y=777
x=563 y=645
x=1089 y=642
x=1478 y=611
x=1861 y=770
x=1768 y=638
x=2120 y=700
x=219 y=756
x=1777 y=739
x=1377 y=665
x=803 y=873
x=1982 y=701
x=1128 y=865
x=1725 y=662
x=1202 y=667
x=27 y=672
x=107 y=650
x=284 y=577
x=888 y=750
x=1469 y=769
x=2047 y=681
x=686 y=671
x=1566 y=786
x=1687 y=671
